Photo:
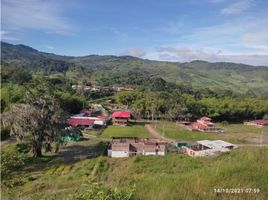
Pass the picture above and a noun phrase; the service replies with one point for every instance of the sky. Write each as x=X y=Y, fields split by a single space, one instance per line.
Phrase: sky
x=166 y=30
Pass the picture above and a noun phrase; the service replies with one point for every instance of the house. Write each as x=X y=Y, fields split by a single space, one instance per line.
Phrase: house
x=259 y=123
x=121 y=118
x=88 y=118
x=208 y=148
x=204 y=124
x=131 y=146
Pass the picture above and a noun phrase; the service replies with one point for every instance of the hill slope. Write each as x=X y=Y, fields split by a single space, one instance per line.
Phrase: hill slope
x=199 y=74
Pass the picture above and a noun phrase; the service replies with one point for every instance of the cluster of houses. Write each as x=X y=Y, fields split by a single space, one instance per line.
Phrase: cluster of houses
x=203 y=124
x=95 y=88
x=96 y=118
x=131 y=146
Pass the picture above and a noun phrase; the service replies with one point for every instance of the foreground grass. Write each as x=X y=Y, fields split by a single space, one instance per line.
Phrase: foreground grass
x=125 y=131
x=153 y=178
x=173 y=131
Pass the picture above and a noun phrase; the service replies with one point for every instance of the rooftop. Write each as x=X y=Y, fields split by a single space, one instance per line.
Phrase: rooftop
x=214 y=144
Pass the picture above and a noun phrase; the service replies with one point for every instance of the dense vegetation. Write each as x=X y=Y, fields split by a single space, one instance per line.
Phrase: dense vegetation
x=175 y=104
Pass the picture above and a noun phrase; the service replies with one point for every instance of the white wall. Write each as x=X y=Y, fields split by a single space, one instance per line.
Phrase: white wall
x=149 y=153
x=119 y=154
x=154 y=153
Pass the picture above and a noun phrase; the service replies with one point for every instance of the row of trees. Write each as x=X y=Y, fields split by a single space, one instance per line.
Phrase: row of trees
x=176 y=104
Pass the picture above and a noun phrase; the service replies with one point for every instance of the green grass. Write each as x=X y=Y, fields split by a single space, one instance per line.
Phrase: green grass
x=252 y=134
x=154 y=178
x=125 y=131
x=244 y=130
x=173 y=131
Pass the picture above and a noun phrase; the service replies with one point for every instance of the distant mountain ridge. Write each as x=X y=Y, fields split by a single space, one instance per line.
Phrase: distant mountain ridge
x=240 y=78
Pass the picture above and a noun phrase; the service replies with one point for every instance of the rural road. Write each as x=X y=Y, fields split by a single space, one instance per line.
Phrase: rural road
x=155 y=134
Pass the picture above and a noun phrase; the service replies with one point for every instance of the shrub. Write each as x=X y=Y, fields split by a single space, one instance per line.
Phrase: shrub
x=95 y=191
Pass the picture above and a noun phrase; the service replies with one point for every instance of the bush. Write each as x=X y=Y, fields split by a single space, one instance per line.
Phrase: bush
x=95 y=191
x=102 y=147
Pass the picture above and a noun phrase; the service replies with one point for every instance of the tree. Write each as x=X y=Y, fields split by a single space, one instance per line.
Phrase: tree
x=39 y=121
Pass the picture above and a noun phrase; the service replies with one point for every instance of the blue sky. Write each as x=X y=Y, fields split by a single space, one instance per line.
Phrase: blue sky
x=171 y=30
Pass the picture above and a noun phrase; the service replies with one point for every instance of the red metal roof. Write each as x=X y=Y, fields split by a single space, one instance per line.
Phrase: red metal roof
x=199 y=125
x=260 y=122
x=80 y=121
x=121 y=114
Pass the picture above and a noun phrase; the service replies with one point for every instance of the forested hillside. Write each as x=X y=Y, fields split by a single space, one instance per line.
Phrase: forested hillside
x=238 y=78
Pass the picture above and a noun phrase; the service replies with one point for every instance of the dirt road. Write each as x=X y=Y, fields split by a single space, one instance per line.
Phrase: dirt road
x=155 y=134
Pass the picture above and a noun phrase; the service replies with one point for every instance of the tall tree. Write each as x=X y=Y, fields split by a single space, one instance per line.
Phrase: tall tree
x=39 y=121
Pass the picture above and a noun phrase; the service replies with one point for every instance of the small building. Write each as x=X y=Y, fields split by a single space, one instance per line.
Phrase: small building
x=83 y=119
x=121 y=118
x=208 y=148
x=258 y=123
x=204 y=124
x=131 y=146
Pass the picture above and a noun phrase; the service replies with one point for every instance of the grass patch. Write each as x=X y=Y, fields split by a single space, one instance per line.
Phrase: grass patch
x=244 y=130
x=125 y=131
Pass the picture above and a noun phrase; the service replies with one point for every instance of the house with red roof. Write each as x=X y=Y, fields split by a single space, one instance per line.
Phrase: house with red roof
x=85 y=119
x=204 y=124
x=121 y=118
x=259 y=123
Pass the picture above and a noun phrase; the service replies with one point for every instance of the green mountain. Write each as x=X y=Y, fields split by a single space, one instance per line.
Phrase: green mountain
x=239 y=78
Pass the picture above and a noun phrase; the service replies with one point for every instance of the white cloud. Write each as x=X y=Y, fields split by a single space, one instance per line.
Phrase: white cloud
x=185 y=55
x=5 y=35
x=50 y=47
x=237 y=7
x=256 y=36
x=134 y=52
x=34 y=14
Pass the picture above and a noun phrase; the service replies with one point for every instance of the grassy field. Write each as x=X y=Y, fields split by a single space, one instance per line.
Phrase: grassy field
x=243 y=129
x=125 y=131
x=153 y=178
x=173 y=131
x=236 y=133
